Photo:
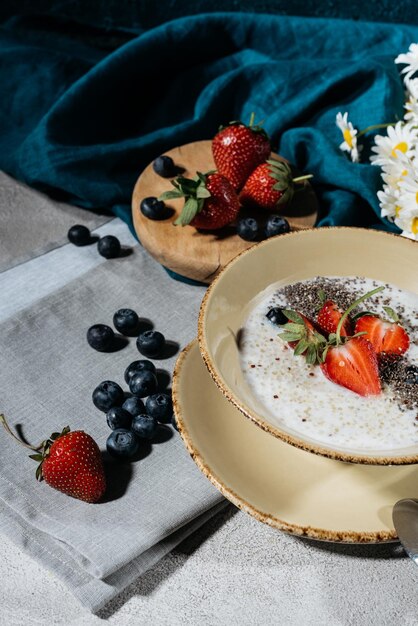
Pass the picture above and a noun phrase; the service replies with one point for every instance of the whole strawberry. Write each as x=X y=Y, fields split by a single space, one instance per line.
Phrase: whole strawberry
x=237 y=150
x=270 y=185
x=69 y=462
x=210 y=200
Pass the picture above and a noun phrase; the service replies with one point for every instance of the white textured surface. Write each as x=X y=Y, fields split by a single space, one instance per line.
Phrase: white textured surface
x=233 y=571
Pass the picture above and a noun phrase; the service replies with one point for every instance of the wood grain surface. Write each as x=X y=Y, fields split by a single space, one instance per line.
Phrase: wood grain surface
x=183 y=249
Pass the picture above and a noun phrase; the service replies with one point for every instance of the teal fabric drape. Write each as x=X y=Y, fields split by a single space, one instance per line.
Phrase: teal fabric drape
x=83 y=109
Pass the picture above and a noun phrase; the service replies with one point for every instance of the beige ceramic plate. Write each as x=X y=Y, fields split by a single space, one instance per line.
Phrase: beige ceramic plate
x=283 y=260
x=283 y=486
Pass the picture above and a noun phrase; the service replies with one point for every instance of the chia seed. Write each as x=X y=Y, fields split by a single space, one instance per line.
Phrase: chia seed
x=394 y=373
x=305 y=299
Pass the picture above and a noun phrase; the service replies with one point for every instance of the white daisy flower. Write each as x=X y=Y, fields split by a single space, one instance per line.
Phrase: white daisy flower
x=409 y=182
x=389 y=202
x=411 y=100
x=408 y=195
x=400 y=138
x=349 y=134
x=410 y=60
x=411 y=107
x=409 y=225
x=411 y=85
x=396 y=169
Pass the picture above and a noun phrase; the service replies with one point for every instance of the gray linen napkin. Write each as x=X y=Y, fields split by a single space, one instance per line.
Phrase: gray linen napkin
x=31 y=223
x=47 y=375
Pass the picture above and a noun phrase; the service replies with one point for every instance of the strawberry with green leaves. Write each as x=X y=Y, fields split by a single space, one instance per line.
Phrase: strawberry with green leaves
x=301 y=335
x=70 y=462
x=210 y=200
x=237 y=150
x=349 y=361
x=270 y=185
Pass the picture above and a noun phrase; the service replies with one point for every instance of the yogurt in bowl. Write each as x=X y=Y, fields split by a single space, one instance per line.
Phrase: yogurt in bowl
x=282 y=393
x=301 y=397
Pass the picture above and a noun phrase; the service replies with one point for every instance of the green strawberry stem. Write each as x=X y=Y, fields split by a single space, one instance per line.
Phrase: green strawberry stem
x=252 y=119
x=6 y=426
x=299 y=179
x=352 y=306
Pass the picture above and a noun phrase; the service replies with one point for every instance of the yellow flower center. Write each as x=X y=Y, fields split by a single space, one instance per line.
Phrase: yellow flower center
x=416 y=197
x=397 y=210
x=348 y=138
x=402 y=146
x=414 y=226
x=404 y=173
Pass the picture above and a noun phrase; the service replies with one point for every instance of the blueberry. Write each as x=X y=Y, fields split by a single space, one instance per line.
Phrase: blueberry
x=151 y=343
x=160 y=406
x=138 y=366
x=411 y=375
x=276 y=225
x=154 y=209
x=109 y=247
x=122 y=443
x=144 y=426
x=79 y=235
x=164 y=166
x=276 y=316
x=247 y=228
x=117 y=417
x=143 y=384
x=134 y=406
x=100 y=337
x=126 y=321
x=107 y=395
x=174 y=422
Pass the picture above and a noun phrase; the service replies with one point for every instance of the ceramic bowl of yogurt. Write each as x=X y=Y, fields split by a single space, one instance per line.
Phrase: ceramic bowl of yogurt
x=283 y=393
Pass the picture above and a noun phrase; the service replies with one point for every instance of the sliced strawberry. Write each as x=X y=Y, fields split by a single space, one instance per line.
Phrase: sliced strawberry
x=353 y=365
x=329 y=317
x=387 y=337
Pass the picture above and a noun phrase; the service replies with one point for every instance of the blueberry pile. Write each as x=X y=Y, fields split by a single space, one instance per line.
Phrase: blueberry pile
x=129 y=418
x=109 y=246
x=139 y=416
x=250 y=229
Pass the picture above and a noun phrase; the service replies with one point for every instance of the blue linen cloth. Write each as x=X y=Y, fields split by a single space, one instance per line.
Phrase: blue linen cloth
x=80 y=119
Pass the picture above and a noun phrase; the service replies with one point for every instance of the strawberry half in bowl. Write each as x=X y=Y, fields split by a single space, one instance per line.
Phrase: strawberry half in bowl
x=313 y=336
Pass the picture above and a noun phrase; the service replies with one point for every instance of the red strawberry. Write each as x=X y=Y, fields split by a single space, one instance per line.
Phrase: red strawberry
x=69 y=462
x=353 y=365
x=300 y=333
x=329 y=317
x=270 y=185
x=237 y=150
x=210 y=200
x=309 y=330
x=387 y=337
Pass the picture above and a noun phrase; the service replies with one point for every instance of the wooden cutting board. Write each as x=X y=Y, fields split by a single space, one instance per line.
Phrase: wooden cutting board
x=183 y=249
